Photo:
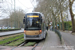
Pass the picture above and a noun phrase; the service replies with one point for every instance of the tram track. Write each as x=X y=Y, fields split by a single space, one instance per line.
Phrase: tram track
x=22 y=44
x=10 y=40
x=25 y=42
x=11 y=37
x=36 y=44
x=18 y=41
x=15 y=42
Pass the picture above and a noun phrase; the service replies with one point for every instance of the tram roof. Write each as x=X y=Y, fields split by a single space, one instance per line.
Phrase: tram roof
x=36 y=12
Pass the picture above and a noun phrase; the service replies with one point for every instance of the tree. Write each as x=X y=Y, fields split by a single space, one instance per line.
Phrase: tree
x=52 y=10
x=4 y=22
x=72 y=15
x=16 y=18
x=44 y=7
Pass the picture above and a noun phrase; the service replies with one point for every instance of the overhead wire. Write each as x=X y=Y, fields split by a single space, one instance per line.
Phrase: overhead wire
x=32 y=3
x=24 y=5
x=4 y=10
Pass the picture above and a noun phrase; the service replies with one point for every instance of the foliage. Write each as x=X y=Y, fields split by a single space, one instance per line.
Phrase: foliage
x=2 y=30
x=53 y=10
x=67 y=25
x=16 y=18
x=70 y=29
x=72 y=15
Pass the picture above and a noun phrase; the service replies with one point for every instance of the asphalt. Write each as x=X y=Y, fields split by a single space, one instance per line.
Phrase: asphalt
x=68 y=38
x=11 y=32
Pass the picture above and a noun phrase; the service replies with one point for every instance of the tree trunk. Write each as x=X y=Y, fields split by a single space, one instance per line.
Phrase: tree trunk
x=72 y=16
x=61 y=15
x=62 y=21
x=56 y=23
x=59 y=23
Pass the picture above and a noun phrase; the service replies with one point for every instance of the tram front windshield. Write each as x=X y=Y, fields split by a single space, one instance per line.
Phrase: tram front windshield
x=33 y=24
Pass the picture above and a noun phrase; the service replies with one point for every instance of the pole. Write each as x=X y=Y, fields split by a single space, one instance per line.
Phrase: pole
x=14 y=5
x=14 y=16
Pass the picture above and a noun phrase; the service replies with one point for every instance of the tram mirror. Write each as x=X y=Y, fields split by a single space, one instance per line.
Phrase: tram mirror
x=23 y=21
x=41 y=20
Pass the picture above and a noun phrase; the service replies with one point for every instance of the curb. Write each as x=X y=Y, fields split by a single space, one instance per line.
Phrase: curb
x=62 y=41
x=60 y=36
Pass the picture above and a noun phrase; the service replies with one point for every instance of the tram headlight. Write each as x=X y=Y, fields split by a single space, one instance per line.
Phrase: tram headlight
x=24 y=31
x=40 y=31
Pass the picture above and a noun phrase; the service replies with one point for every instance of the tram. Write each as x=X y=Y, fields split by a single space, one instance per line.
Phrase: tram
x=34 y=26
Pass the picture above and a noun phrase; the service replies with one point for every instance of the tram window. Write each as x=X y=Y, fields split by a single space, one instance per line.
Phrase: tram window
x=33 y=24
x=42 y=26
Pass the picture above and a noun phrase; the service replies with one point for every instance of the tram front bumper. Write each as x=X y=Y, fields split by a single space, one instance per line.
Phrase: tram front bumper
x=36 y=37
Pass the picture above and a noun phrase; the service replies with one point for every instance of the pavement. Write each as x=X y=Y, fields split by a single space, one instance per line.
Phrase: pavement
x=11 y=32
x=69 y=39
x=52 y=42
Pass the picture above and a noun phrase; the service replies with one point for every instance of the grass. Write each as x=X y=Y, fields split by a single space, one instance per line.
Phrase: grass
x=9 y=36
x=16 y=42
x=30 y=43
x=10 y=39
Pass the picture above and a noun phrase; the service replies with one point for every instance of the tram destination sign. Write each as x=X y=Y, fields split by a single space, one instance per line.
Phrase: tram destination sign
x=32 y=16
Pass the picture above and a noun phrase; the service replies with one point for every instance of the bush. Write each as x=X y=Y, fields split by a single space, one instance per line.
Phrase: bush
x=2 y=30
x=70 y=29
x=67 y=25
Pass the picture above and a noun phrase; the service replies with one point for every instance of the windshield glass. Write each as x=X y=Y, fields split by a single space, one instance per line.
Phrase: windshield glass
x=33 y=24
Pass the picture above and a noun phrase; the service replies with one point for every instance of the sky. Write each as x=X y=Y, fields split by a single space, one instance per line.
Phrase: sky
x=25 y=5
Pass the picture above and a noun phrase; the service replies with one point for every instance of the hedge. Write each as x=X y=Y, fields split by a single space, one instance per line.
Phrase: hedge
x=2 y=30
x=67 y=25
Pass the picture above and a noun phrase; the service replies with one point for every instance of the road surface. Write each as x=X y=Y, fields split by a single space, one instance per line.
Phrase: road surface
x=11 y=32
x=68 y=38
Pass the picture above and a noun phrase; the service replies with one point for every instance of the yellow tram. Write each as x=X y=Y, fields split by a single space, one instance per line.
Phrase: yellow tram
x=35 y=28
